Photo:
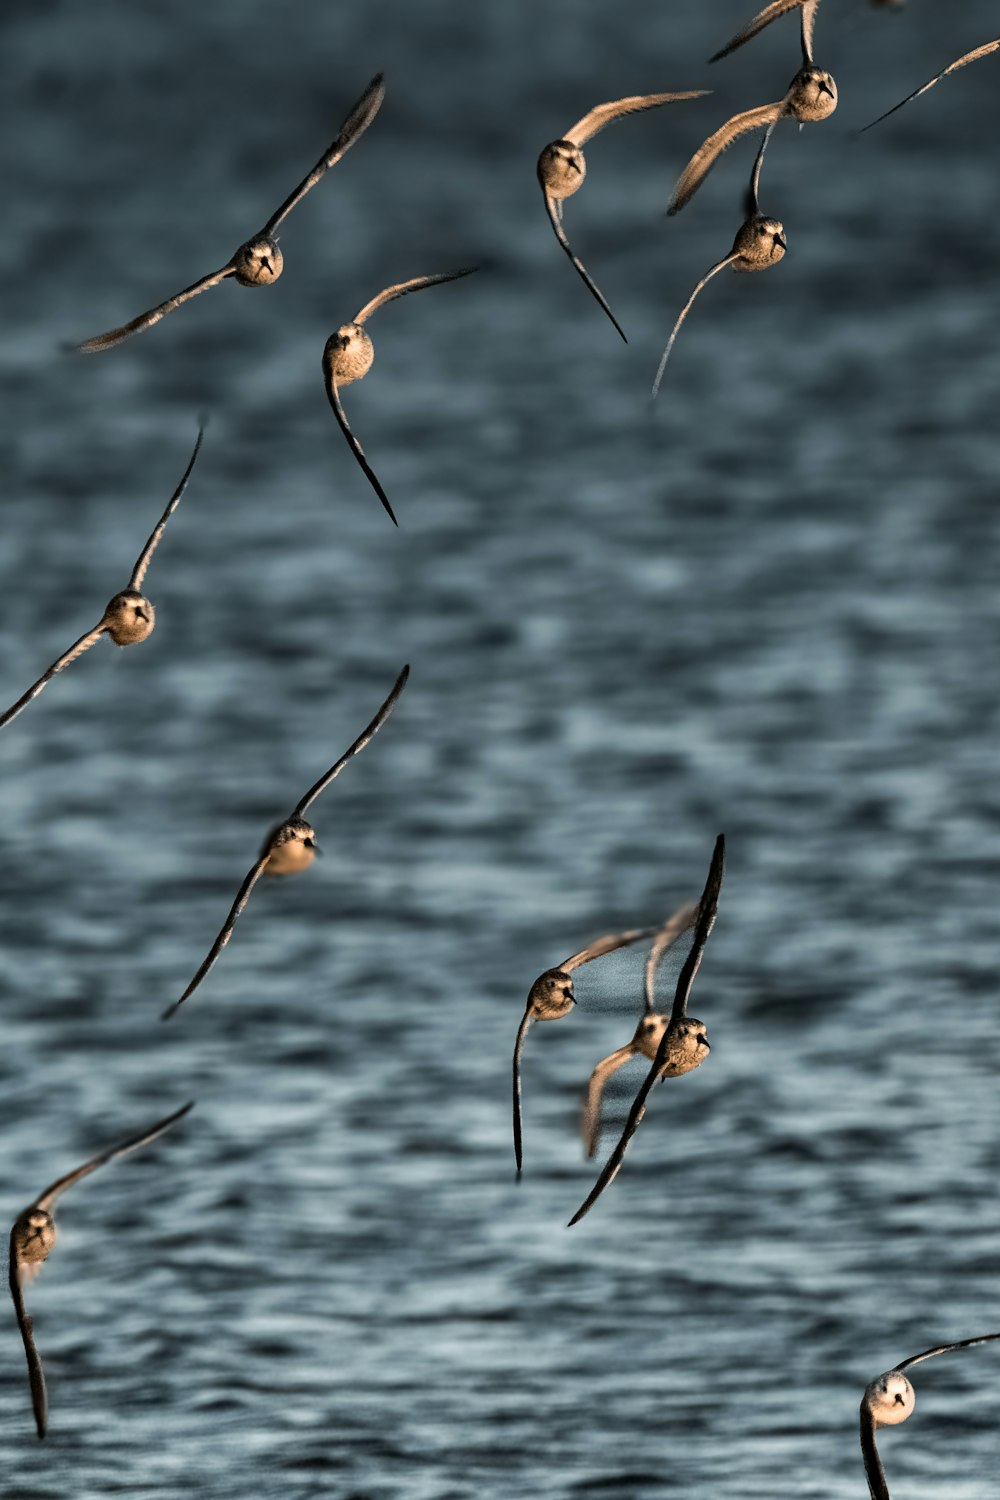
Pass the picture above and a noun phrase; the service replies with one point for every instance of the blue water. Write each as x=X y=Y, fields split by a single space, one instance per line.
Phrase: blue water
x=768 y=607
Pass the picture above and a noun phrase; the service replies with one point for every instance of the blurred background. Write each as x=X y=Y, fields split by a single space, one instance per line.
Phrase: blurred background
x=766 y=606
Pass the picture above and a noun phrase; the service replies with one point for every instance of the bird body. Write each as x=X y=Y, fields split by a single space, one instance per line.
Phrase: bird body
x=290 y=847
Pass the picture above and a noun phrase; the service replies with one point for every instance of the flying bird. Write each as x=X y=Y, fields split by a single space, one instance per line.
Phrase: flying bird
x=889 y=1400
x=551 y=997
x=129 y=617
x=33 y=1237
x=962 y=62
x=808 y=9
x=759 y=244
x=562 y=168
x=811 y=96
x=291 y=846
x=684 y=1044
x=647 y=1034
x=259 y=261
x=348 y=355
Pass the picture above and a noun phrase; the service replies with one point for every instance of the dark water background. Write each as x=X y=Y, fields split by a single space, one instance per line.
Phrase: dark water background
x=770 y=608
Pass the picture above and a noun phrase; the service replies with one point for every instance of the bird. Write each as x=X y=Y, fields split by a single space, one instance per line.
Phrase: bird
x=551 y=997
x=961 y=62
x=33 y=1237
x=290 y=846
x=771 y=13
x=684 y=1044
x=348 y=355
x=889 y=1400
x=562 y=168
x=647 y=1034
x=129 y=617
x=759 y=244
x=811 y=96
x=259 y=261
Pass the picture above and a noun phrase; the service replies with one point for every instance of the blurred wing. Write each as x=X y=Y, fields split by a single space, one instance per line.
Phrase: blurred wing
x=595 y=1093
x=147 y=319
x=614 y=1161
x=751 y=202
x=77 y=649
x=706 y=156
x=962 y=62
x=603 y=114
x=607 y=944
x=359 y=744
x=984 y=1338
x=682 y=919
x=404 y=288
x=354 y=126
x=809 y=10
x=132 y=1144
x=707 y=908
x=522 y=1032
x=226 y=933
x=874 y=1472
x=560 y=235
x=661 y=367
x=142 y=564
x=36 y=1376
x=764 y=18
x=333 y=394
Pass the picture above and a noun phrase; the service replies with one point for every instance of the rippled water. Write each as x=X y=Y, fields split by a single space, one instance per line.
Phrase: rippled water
x=769 y=608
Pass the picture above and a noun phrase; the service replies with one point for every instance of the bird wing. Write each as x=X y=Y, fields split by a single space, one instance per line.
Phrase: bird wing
x=682 y=919
x=522 y=1032
x=36 y=1376
x=591 y=1122
x=607 y=944
x=765 y=17
x=751 y=202
x=874 y=1472
x=145 y=556
x=359 y=744
x=661 y=367
x=916 y=1359
x=560 y=235
x=603 y=114
x=227 y=931
x=333 y=395
x=46 y=1200
x=147 y=319
x=404 y=288
x=613 y=1164
x=77 y=649
x=707 y=908
x=707 y=155
x=354 y=126
x=961 y=62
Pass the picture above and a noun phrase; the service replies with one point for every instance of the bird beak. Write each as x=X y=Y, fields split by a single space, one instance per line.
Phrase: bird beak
x=141 y=614
x=703 y=1042
x=779 y=239
x=825 y=88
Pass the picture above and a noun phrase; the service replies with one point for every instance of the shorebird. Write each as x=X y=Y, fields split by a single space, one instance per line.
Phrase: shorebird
x=771 y=13
x=759 y=244
x=34 y=1236
x=889 y=1400
x=683 y=1045
x=129 y=617
x=348 y=355
x=258 y=261
x=562 y=168
x=811 y=95
x=551 y=997
x=291 y=846
x=962 y=62
x=647 y=1034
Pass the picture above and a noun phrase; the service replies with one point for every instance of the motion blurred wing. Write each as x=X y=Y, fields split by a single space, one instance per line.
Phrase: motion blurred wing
x=145 y=556
x=77 y=649
x=227 y=931
x=133 y=1143
x=603 y=114
x=595 y=1093
x=962 y=62
x=359 y=744
x=708 y=154
x=354 y=126
x=147 y=319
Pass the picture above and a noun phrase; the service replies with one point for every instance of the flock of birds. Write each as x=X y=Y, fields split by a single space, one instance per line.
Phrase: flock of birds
x=672 y=1043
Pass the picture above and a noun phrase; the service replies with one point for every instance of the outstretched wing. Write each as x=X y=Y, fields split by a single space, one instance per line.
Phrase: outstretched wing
x=961 y=62
x=682 y=919
x=707 y=155
x=595 y=1093
x=707 y=909
x=36 y=1376
x=77 y=649
x=147 y=319
x=613 y=1164
x=522 y=1032
x=720 y=265
x=560 y=235
x=359 y=744
x=874 y=1472
x=916 y=1359
x=404 y=288
x=133 y=1143
x=354 y=126
x=766 y=16
x=333 y=394
x=603 y=114
x=227 y=931
x=145 y=556
x=607 y=944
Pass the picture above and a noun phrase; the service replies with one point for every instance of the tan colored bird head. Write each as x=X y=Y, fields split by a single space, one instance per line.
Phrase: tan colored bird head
x=813 y=96
x=551 y=996
x=258 y=262
x=561 y=169
x=129 y=618
x=687 y=1048
x=348 y=353
x=760 y=243
x=293 y=847
x=890 y=1398
x=34 y=1237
